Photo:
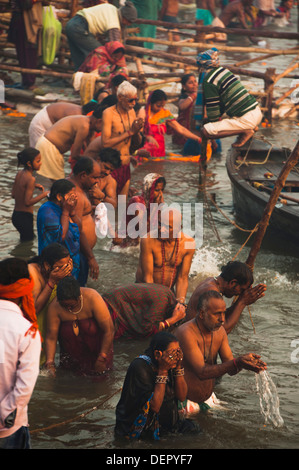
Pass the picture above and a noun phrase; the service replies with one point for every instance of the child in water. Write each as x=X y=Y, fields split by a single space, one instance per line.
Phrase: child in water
x=22 y=191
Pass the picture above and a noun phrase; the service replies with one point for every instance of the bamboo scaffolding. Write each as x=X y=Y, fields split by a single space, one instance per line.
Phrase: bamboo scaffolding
x=220 y=47
x=182 y=59
x=214 y=29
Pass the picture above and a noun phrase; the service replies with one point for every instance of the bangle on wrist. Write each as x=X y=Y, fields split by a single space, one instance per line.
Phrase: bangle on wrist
x=49 y=285
x=236 y=365
x=161 y=379
x=166 y=324
x=179 y=372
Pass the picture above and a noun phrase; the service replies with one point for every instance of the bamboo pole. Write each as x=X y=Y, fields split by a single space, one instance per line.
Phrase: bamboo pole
x=280 y=182
x=286 y=94
x=286 y=72
x=220 y=47
x=50 y=73
x=216 y=29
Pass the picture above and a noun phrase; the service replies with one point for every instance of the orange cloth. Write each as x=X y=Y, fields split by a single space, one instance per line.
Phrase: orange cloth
x=22 y=288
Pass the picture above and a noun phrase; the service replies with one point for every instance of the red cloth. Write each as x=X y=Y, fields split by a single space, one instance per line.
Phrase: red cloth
x=22 y=288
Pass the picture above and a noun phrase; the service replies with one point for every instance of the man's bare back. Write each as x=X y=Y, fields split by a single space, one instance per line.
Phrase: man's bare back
x=204 y=286
x=69 y=131
x=57 y=111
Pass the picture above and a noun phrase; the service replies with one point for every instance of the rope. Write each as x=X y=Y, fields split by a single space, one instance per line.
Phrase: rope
x=82 y=415
x=251 y=232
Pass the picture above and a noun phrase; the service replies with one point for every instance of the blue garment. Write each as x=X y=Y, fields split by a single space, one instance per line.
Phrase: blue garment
x=49 y=230
x=18 y=440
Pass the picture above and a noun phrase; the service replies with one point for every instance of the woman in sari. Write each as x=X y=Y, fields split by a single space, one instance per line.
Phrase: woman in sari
x=107 y=60
x=80 y=321
x=141 y=310
x=186 y=106
x=153 y=386
x=57 y=221
x=46 y=270
x=158 y=121
x=141 y=206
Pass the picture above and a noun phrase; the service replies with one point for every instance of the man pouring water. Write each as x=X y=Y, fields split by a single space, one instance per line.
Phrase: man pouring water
x=202 y=339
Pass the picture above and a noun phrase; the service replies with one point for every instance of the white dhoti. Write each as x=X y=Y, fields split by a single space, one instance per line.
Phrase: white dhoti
x=219 y=36
x=52 y=166
x=38 y=126
x=246 y=122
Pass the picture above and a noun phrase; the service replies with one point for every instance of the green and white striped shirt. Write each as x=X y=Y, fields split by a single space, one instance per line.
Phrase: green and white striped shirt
x=224 y=93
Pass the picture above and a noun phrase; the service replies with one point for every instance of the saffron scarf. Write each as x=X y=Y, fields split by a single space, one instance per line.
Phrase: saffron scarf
x=22 y=288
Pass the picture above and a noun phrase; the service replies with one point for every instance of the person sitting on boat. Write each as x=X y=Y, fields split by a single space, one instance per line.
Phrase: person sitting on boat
x=166 y=254
x=80 y=320
x=202 y=339
x=224 y=93
x=235 y=279
x=158 y=121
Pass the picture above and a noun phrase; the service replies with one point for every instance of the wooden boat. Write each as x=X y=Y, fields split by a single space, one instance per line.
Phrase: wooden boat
x=253 y=171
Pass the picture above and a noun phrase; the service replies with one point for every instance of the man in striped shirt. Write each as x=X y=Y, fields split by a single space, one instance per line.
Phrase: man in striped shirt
x=224 y=94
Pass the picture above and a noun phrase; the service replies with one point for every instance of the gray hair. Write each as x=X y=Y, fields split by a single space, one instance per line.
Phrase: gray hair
x=205 y=297
x=126 y=88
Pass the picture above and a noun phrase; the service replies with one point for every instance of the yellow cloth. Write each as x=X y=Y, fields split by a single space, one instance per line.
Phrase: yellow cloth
x=101 y=18
x=42 y=324
x=87 y=87
x=52 y=161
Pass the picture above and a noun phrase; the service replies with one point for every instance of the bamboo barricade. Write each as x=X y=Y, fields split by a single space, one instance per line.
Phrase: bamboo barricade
x=62 y=68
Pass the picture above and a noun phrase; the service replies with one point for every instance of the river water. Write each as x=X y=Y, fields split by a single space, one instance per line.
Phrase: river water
x=82 y=410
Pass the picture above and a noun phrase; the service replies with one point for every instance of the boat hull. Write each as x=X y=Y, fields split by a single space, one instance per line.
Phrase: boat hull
x=250 y=203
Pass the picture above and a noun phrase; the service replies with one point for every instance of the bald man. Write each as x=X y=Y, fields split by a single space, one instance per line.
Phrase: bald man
x=166 y=254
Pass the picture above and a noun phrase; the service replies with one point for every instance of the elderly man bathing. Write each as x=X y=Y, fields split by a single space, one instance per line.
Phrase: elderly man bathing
x=119 y=125
x=202 y=339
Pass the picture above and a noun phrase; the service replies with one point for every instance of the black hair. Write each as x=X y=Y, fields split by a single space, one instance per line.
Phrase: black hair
x=237 y=270
x=98 y=111
x=27 y=155
x=83 y=164
x=53 y=252
x=206 y=296
x=50 y=254
x=68 y=288
x=117 y=80
x=110 y=155
x=119 y=49
x=90 y=106
x=12 y=270
x=62 y=187
x=161 y=179
x=158 y=95
x=109 y=101
x=160 y=342
x=186 y=77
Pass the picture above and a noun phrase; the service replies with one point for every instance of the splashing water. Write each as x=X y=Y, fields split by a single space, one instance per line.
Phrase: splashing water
x=269 y=400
